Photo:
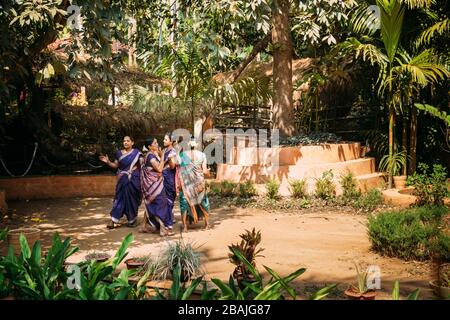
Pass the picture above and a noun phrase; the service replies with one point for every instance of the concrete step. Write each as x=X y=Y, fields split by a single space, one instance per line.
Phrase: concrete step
x=286 y=156
x=260 y=174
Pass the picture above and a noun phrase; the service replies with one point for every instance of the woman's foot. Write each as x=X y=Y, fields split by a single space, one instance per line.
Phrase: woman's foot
x=111 y=225
x=147 y=229
x=132 y=224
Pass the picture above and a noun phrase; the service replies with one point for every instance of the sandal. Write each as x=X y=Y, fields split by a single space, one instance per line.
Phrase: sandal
x=132 y=225
x=111 y=225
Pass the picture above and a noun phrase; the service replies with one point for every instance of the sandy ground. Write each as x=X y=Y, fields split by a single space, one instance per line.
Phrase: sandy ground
x=325 y=242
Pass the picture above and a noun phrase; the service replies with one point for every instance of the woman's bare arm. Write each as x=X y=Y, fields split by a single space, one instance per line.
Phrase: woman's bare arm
x=105 y=159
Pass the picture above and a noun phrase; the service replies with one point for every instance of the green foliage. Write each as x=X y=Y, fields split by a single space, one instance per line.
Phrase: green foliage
x=98 y=281
x=257 y=290
x=361 y=286
x=177 y=291
x=430 y=188
x=369 y=200
x=247 y=248
x=272 y=188
x=33 y=277
x=178 y=253
x=228 y=188
x=410 y=234
x=393 y=164
x=325 y=188
x=298 y=188
x=396 y=292
x=247 y=190
x=349 y=187
x=434 y=111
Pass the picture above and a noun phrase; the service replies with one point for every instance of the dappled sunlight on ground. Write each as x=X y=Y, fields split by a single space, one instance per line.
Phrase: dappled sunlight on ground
x=326 y=242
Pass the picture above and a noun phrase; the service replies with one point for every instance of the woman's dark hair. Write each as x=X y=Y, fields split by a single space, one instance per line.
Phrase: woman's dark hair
x=172 y=138
x=149 y=141
x=131 y=138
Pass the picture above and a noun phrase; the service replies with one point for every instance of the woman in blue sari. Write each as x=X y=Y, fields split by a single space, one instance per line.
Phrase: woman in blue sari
x=153 y=191
x=194 y=202
x=169 y=172
x=128 y=189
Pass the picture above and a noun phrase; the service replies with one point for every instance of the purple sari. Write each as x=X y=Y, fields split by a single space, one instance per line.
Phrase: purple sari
x=155 y=198
x=128 y=189
x=169 y=181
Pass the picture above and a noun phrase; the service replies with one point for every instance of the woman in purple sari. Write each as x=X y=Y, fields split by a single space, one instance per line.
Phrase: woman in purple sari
x=169 y=172
x=154 y=193
x=128 y=189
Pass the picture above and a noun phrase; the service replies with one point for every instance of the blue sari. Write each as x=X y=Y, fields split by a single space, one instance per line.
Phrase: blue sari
x=155 y=198
x=169 y=181
x=128 y=195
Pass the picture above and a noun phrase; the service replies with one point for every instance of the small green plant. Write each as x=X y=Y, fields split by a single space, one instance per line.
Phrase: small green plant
x=272 y=188
x=361 y=286
x=178 y=253
x=370 y=200
x=414 y=233
x=393 y=165
x=430 y=189
x=349 y=187
x=257 y=290
x=178 y=292
x=247 y=190
x=325 y=188
x=228 y=188
x=298 y=188
x=396 y=292
x=248 y=249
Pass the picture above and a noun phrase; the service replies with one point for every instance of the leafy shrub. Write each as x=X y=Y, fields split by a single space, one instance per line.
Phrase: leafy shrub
x=178 y=253
x=325 y=188
x=349 y=188
x=410 y=234
x=247 y=247
x=272 y=188
x=228 y=188
x=430 y=189
x=247 y=190
x=298 y=188
x=369 y=200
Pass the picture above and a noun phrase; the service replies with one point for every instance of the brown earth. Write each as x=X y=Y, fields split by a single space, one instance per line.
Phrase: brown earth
x=326 y=242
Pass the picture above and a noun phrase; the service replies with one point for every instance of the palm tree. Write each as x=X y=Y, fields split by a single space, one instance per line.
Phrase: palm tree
x=401 y=74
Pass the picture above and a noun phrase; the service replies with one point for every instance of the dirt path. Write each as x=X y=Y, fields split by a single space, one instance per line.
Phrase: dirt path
x=325 y=242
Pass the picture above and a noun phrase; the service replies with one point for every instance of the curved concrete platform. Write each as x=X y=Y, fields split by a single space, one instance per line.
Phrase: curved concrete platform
x=403 y=197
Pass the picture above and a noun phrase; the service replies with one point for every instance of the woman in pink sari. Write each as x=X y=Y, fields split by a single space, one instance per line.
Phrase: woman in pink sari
x=154 y=193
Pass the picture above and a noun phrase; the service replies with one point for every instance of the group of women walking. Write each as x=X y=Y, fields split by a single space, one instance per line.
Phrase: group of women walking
x=157 y=177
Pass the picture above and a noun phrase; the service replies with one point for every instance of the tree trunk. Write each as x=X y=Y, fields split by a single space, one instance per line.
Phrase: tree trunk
x=260 y=46
x=413 y=140
x=405 y=144
x=283 y=115
x=391 y=142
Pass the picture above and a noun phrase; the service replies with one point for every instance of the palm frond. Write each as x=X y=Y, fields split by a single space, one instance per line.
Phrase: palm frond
x=439 y=28
x=392 y=14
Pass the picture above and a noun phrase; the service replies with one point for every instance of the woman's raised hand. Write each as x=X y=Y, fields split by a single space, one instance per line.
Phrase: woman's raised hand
x=104 y=158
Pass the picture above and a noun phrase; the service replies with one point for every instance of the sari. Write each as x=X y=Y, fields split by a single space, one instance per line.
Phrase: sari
x=193 y=197
x=128 y=195
x=169 y=181
x=154 y=194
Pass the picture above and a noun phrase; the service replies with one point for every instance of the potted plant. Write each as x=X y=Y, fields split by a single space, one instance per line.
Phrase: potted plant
x=441 y=285
x=136 y=263
x=247 y=248
x=180 y=253
x=360 y=291
x=393 y=166
x=98 y=256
